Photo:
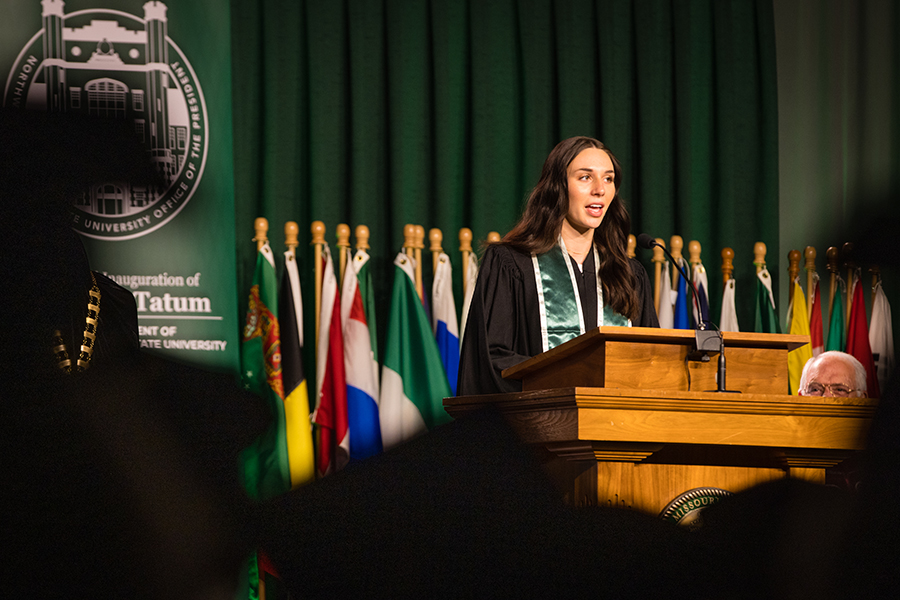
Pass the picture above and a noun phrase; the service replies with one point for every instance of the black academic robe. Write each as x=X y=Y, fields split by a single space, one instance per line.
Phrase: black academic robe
x=122 y=481
x=503 y=325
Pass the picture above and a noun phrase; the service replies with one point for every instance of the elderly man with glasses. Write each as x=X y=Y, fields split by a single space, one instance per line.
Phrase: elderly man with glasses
x=833 y=373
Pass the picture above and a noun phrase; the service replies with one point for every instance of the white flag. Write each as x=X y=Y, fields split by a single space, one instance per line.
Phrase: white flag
x=667 y=298
x=471 y=278
x=881 y=338
x=728 y=319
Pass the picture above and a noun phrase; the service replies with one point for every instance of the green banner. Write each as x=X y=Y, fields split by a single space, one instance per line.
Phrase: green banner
x=166 y=68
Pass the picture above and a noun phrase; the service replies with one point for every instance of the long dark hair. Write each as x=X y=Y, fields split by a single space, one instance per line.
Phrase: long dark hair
x=538 y=229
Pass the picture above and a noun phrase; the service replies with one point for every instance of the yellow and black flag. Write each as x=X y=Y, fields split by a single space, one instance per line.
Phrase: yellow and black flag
x=296 y=398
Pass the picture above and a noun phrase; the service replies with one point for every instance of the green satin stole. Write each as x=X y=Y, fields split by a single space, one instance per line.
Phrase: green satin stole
x=559 y=302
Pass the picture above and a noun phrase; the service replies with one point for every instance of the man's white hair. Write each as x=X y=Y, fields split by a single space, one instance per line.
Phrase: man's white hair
x=859 y=371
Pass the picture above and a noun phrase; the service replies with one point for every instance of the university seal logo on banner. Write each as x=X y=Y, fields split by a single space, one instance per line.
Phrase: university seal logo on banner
x=108 y=63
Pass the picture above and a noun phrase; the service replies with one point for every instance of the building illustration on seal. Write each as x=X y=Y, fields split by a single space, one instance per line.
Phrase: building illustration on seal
x=108 y=63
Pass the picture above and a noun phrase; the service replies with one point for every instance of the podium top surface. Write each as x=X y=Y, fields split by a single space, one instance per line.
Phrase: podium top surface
x=650 y=335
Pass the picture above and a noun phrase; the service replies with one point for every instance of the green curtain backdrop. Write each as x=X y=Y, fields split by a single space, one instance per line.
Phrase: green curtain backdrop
x=387 y=112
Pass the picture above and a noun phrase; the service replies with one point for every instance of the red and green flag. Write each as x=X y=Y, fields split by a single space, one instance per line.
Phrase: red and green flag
x=858 y=339
x=265 y=461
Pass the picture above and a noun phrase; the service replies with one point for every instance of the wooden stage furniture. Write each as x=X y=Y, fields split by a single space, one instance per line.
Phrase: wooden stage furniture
x=623 y=418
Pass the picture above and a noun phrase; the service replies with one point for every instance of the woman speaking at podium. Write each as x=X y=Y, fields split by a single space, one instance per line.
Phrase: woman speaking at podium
x=561 y=271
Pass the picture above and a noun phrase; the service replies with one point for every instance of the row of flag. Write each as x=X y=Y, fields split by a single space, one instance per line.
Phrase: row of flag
x=360 y=408
x=870 y=342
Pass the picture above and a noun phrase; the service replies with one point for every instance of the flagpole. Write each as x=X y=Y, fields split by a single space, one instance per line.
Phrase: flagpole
x=632 y=244
x=318 y=238
x=420 y=245
x=493 y=237
x=658 y=259
x=343 y=244
x=291 y=231
x=260 y=229
x=409 y=235
x=435 y=237
x=793 y=272
x=810 y=254
x=676 y=244
x=362 y=237
x=759 y=256
x=409 y=247
x=465 y=247
x=831 y=256
x=846 y=253
x=727 y=265
x=694 y=250
x=291 y=235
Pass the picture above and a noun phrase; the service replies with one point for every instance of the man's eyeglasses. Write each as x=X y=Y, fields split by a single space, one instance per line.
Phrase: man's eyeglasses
x=837 y=389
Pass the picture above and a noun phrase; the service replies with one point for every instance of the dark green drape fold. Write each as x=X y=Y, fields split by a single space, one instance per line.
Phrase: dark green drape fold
x=387 y=112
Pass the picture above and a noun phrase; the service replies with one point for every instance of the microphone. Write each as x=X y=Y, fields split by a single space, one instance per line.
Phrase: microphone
x=646 y=241
x=706 y=341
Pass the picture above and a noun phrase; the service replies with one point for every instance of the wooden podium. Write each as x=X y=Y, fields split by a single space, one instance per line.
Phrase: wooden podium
x=623 y=416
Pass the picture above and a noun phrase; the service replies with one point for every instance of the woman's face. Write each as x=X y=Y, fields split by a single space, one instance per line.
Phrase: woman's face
x=592 y=187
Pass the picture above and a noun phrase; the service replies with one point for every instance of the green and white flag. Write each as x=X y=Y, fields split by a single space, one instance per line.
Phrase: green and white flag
x=766 y=320
x=413 y=382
